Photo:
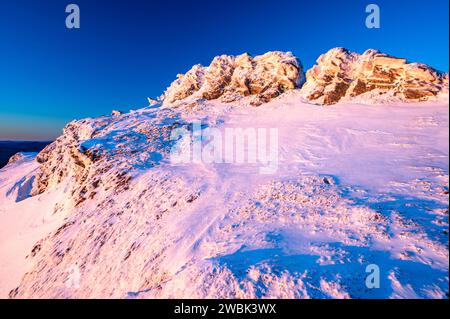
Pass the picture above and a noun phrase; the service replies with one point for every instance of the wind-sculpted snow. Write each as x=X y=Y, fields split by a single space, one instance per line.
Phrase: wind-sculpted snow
x=372 y=77
x=339 y=75
x=103 y=212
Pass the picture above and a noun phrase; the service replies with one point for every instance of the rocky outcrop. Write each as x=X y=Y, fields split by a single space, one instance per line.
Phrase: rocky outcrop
x=230 y=78
x=108 y=148
x=116 y=112
x=115 y=216
x=62 y=159
x=20 y=156
x=342 y=74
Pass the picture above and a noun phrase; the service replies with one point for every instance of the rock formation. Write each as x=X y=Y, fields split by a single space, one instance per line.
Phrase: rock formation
x=230 y=78
x=19 y=156
x=105 y=211
x=116 y=112
x=342 y=74
x=107 y=146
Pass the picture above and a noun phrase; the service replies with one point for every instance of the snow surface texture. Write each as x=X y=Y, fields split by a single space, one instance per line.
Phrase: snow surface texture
x=103 y=212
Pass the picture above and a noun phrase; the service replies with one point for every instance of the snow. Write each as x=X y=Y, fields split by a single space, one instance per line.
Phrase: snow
x=355 y=185
x=23 y=222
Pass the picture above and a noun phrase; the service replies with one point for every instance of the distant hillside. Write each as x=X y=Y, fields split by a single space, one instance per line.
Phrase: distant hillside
x=9 y=148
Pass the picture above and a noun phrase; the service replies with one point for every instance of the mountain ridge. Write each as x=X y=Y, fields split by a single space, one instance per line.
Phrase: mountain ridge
x=103 y=211
x=337 y=74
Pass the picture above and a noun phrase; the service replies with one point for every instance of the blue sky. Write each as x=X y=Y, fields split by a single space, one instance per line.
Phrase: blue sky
x=128 y=50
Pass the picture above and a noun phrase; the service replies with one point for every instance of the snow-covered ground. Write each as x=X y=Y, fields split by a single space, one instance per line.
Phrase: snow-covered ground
x=354 y=185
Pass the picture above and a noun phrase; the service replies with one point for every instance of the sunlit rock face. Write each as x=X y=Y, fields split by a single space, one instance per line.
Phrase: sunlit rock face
x=229 y=78
x=340 y=73
x=18 y=156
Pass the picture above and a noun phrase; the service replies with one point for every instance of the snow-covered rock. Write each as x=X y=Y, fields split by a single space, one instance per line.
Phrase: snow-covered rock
x=106 y=148
x=341 y=74
x=229 y=78
x=116 y=112
x=103 y=212
x=153 y=102
x=20 y=156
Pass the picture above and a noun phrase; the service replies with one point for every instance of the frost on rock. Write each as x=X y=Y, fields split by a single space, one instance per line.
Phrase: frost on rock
x=341 y=74
x=109 y=148
x=230 y=78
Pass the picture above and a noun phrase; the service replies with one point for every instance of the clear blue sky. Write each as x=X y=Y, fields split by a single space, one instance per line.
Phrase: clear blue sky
x=128 y=50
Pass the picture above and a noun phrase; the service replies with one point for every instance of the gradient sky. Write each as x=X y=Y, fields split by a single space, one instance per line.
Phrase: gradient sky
x=128 y=50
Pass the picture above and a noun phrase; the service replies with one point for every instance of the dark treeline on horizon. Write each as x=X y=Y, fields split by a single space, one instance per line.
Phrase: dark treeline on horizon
x=9 y=148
